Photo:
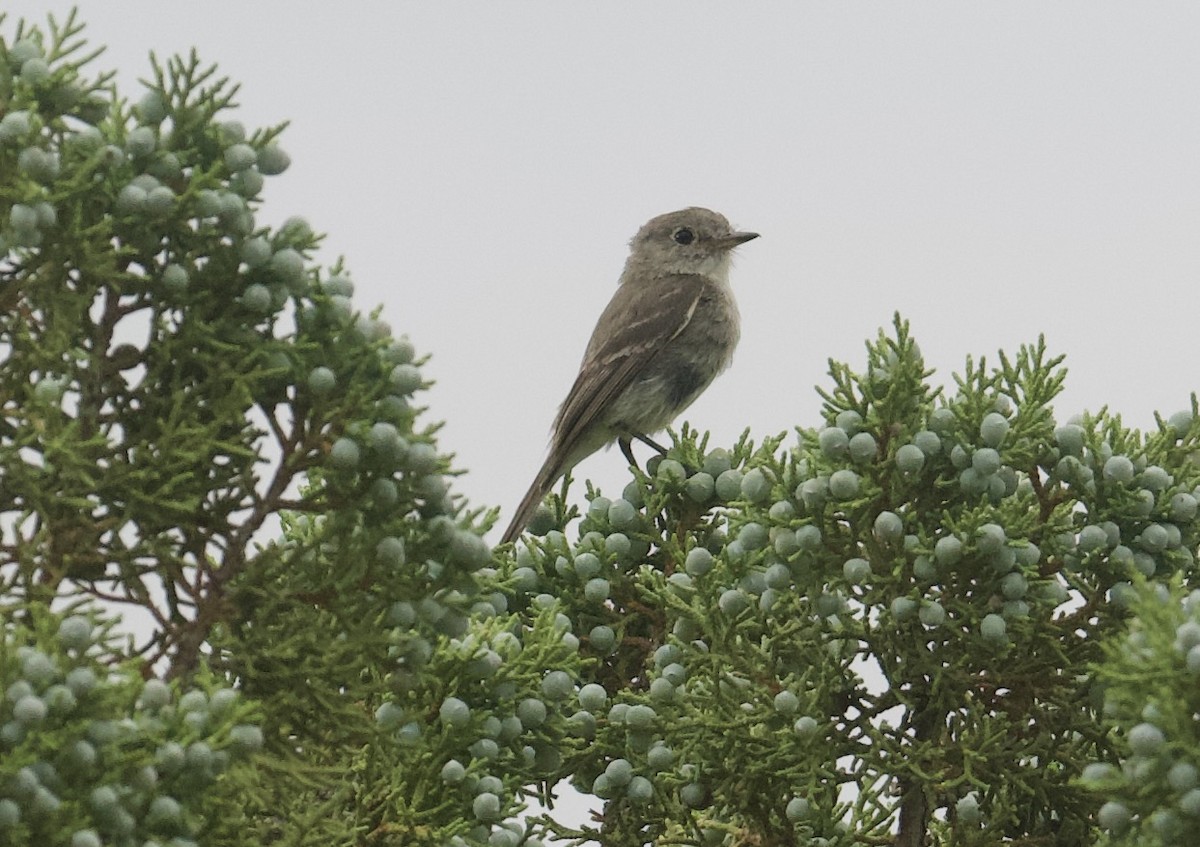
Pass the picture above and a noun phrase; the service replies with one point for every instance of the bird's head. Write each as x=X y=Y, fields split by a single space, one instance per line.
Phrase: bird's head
x=689 y=241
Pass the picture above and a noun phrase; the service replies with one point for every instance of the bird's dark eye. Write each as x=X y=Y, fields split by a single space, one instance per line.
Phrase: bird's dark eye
x=683 y=235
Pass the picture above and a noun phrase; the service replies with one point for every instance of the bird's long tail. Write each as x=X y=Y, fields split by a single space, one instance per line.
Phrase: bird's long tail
x=551 y=470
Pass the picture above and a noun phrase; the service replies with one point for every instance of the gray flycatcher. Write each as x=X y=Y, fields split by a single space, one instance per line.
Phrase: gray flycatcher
x=663 y=338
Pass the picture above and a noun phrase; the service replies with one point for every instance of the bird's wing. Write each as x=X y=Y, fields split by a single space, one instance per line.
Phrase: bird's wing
x=634 y=328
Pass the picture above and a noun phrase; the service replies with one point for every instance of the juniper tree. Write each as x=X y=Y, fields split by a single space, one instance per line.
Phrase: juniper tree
x=198 y=425
x=937 y=616
x=889 y=632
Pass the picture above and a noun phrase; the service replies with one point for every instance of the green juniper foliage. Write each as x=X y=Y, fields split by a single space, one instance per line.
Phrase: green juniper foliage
x=887 y=634
x=1150 y=693
x=936 y=618
x=180 y=384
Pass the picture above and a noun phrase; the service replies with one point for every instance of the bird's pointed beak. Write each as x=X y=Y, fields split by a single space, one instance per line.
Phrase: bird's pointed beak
x=735 y=238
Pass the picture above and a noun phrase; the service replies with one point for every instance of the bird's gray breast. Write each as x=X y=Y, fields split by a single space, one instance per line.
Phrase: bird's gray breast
x=686 y=365
x=694 y=358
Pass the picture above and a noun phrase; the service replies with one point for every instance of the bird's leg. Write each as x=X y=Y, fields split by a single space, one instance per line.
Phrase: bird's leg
x=627 y=451
x=626 y=444
x=651 y=443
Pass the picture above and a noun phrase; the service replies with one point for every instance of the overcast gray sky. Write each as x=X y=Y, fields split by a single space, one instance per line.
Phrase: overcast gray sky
x=992 y=170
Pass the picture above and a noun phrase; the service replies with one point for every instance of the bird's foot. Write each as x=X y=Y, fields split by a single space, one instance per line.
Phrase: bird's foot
x=626 y=444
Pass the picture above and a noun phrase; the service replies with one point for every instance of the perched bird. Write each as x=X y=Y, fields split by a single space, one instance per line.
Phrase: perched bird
x=663 y=338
